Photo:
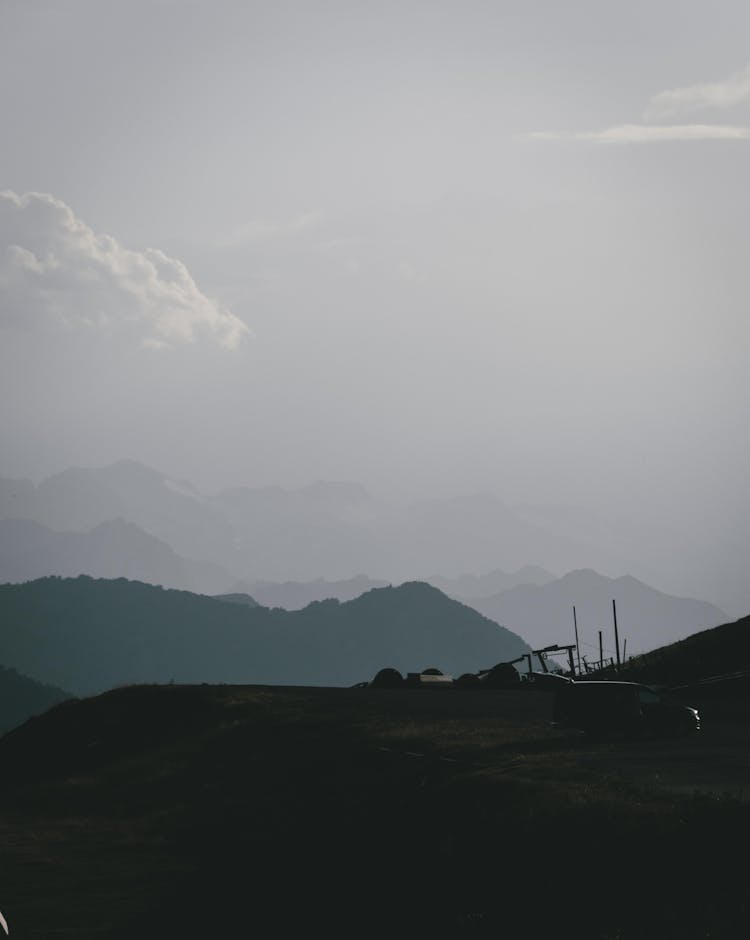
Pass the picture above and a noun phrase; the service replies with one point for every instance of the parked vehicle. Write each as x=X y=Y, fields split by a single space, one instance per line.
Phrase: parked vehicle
x=546 y=681
x=602 y=707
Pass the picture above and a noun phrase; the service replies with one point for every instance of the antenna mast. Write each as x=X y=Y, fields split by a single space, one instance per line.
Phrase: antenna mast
x=617 y=639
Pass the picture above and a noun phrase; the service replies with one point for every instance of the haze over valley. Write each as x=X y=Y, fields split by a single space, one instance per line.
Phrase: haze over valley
x=128 y=520
x=365 y=297
x=356 y=358
x=494 y=280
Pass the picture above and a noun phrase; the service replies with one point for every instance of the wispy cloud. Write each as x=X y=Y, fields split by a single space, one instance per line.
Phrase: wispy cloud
x=57 y=271
x=668 y=104
x=721 y=95
x=649 y=133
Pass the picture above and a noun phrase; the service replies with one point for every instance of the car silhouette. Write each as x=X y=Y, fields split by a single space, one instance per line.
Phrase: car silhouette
x=597 y=707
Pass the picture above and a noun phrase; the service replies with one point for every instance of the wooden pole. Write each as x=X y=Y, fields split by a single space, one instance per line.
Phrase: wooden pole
x=624 y=647
x=601 y=652
x=575 y=627
x=617 y=639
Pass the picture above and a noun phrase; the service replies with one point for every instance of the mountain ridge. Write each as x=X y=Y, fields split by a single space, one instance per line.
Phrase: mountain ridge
x=111 y=549
x=647 y=617
x=275 y=534
x=88 y=635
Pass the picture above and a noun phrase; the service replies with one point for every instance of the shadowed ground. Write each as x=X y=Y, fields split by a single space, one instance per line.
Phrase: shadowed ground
x=219 y=811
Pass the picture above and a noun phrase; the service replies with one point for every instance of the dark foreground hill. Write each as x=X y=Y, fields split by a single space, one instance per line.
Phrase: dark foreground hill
x=88 y=635
x=22 y=697
x=172 y=812
x=710 y=653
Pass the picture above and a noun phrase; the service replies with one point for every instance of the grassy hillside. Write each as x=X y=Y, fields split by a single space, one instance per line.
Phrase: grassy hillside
x=231 y=811
x=721 y=650
x=89 y=635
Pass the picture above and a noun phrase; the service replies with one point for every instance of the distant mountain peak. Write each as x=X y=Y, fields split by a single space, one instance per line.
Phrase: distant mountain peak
x=580 y=573
x=417 y=587
x=646 y=616
x=127 y=464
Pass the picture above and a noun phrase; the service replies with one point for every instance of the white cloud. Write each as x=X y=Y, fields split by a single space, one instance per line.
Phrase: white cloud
x=55 y=270
x=667 y=104
x=720 y=95
x=649 y=133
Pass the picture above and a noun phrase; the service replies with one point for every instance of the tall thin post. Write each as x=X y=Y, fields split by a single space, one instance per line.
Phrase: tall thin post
x=578 y=649
x=617 y=638
x=601 y=652
x=624 y=647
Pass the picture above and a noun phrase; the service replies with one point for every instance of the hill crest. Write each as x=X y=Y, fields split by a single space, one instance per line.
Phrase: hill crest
x=89 y=634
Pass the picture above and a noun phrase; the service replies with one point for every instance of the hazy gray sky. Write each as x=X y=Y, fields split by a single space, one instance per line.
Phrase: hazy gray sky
x=437 y=246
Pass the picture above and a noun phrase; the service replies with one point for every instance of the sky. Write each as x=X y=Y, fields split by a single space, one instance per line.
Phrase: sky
x=435 y=247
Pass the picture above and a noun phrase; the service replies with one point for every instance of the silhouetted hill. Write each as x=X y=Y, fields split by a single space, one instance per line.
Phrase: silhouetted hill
x=87 y=635
x=544 y=614
x=22 y=697
x=113 y=549
x=715 y=652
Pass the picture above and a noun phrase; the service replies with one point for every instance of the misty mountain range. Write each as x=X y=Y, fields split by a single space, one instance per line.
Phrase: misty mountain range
x=294 y=595
x=533 y=603
x=129 y=521
x=542 y=611
x=112 y=549
x=116 y=548
x=332 y=530
x=542 y=614
x=89 y=635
